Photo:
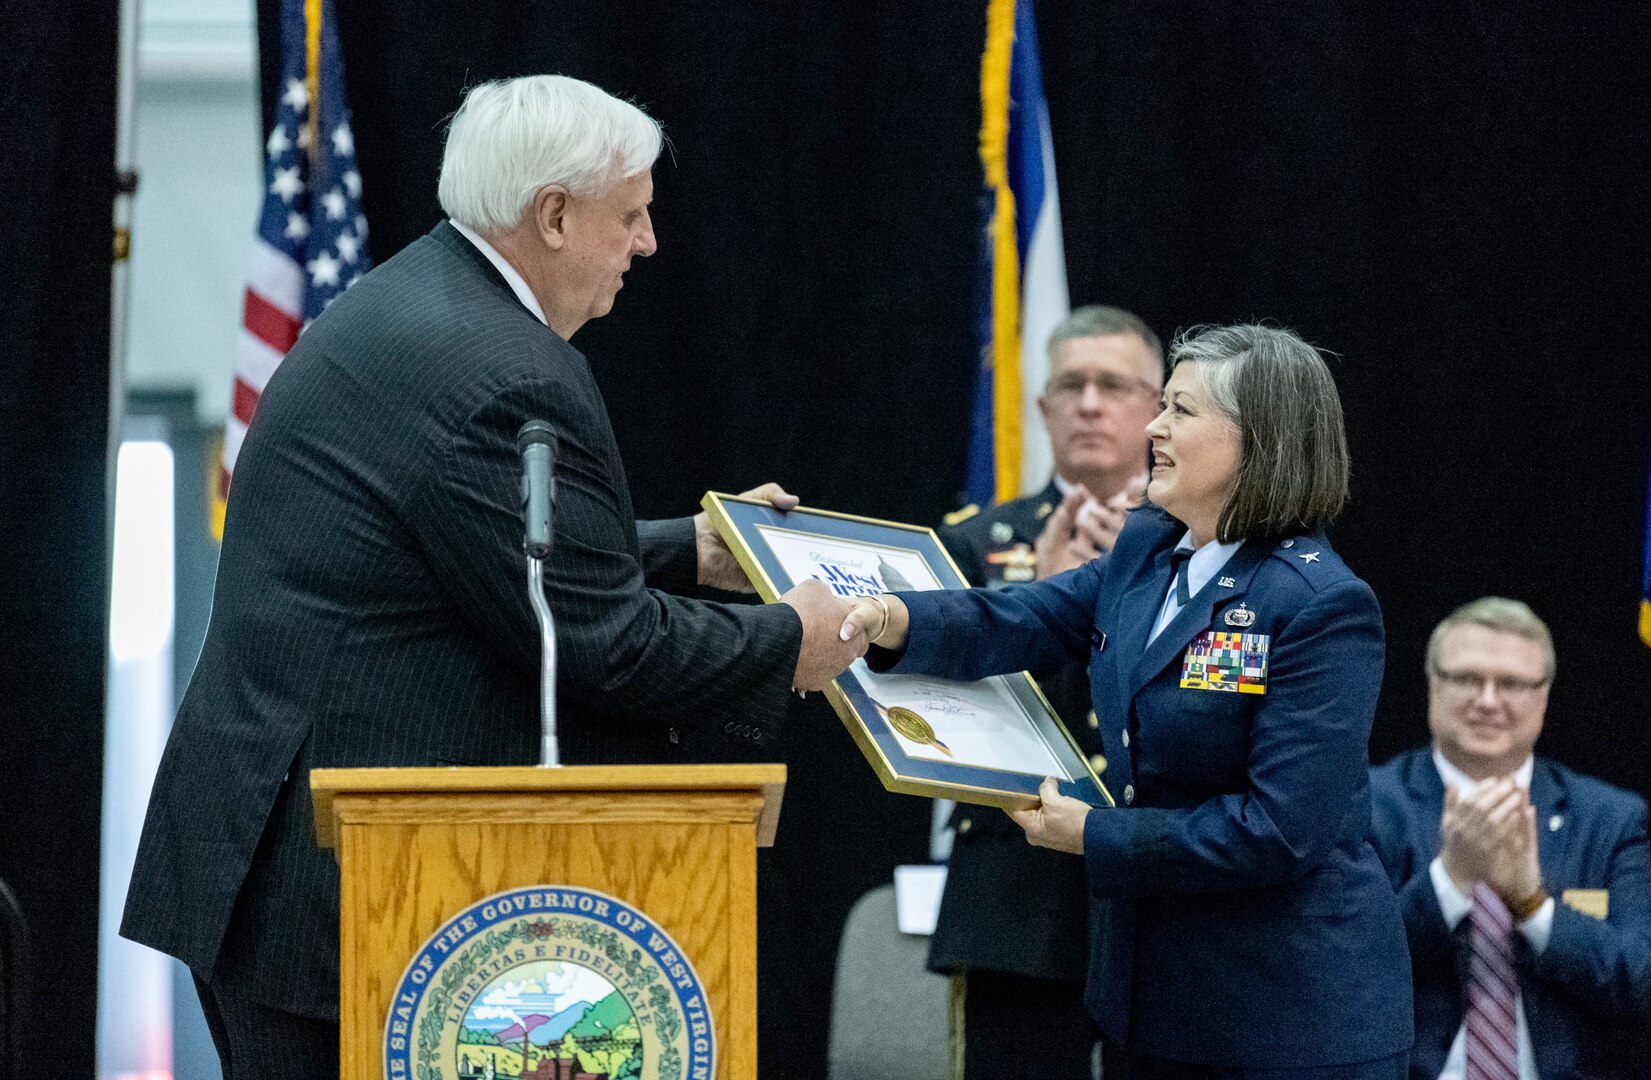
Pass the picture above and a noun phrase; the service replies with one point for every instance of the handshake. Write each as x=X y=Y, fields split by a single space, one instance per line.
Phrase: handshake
x=837 y=632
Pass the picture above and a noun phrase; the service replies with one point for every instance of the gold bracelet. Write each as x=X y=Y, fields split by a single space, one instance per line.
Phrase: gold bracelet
x=881 y=630
x=1529 y=906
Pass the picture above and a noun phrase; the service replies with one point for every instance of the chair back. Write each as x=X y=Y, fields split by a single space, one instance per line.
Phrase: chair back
x=890 y=1015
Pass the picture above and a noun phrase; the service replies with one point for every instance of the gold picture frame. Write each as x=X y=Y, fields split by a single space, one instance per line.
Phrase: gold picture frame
x=989 y=743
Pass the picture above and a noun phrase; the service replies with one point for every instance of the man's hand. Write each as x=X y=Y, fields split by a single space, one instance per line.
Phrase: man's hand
x=1082 y=528
x=1482 y=836
x=718 y=569
x=1516 y=875
x=1057 y=822
x=825 y=653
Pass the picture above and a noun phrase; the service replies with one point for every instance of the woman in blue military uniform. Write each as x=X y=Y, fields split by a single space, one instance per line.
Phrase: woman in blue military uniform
x=1244 y=921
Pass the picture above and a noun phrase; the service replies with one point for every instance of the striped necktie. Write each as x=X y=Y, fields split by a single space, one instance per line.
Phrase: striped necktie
x=1491 y=1029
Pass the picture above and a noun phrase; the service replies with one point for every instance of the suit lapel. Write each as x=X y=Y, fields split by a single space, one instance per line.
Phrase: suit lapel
x=1139 y=607
x=1427 y=792
x=1549 y=797
x=1192 y=619
x=1027 y=523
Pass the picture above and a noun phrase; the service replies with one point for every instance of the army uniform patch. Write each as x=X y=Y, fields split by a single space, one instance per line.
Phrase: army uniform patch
x=1235 y=663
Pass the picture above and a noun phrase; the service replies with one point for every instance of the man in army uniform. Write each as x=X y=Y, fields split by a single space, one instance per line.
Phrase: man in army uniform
x=1013 y=926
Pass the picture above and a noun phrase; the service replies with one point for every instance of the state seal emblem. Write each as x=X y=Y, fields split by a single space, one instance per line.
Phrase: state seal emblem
x=549 y=983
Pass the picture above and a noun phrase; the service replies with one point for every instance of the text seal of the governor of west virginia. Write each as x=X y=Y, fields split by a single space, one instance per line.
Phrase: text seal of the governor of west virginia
x=551 y=983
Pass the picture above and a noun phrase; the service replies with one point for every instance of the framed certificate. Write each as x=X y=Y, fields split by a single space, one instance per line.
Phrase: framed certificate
x=990 y=742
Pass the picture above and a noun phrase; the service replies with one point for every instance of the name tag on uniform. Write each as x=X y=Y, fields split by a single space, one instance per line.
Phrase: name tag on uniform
x=1235 y=663
x=1594 y=902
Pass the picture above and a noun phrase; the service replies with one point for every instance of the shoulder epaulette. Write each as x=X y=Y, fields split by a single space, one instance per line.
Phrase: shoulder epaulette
x=958 y=517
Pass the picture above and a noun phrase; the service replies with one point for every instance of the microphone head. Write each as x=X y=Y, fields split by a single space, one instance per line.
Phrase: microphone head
x=535 y=433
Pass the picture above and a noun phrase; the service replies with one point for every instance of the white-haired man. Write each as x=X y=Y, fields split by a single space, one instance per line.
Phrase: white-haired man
x=369 y=607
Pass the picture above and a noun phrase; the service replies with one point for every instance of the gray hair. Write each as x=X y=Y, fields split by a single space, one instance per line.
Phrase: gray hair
x=1277 y=391
x=1100 y=320
x=512 y=137
x=1496 y=613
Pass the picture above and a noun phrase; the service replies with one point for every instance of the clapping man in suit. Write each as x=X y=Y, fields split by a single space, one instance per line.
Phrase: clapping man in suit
x=1525 y=887
x=1018 y=952
x=370 y=607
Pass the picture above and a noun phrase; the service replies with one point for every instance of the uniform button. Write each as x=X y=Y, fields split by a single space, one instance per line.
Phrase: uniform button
x=1129 y=793
x=1126 y=736
x=1287 y=544
x=675 y=736
x=965 y=825
x=1098 y=763
x=1094 y=721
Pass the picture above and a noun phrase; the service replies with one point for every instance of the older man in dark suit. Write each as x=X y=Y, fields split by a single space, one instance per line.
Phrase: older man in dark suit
x=1525 y=887
x=370 y=607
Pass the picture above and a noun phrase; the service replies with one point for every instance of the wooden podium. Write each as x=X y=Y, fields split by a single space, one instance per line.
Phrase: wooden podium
x=417 y=846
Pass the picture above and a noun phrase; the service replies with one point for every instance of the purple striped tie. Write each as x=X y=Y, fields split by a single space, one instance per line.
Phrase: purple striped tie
x=1491 y=1030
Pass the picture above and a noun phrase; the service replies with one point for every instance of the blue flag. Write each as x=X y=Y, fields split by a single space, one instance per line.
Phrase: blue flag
x=1023 y=292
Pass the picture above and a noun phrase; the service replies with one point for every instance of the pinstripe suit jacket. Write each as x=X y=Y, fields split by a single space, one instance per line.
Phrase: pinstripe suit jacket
x=371 y=609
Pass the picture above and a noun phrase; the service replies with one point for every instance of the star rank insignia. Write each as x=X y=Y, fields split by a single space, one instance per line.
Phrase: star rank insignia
x=1311 y=556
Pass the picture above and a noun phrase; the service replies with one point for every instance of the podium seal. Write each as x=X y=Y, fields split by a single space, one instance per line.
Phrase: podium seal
x=549 y=982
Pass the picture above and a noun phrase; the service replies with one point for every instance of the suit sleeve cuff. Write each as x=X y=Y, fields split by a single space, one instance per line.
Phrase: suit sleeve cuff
x=670 y=555
x=924 y=638
x=1453 y=904
x=1539 y=928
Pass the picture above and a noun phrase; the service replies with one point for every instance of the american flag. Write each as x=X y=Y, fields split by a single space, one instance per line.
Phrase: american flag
x=312 y=237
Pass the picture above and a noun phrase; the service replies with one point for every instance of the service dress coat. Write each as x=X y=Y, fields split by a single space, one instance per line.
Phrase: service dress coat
x=1590 y=989
x=371 y=610
x=1243 y=918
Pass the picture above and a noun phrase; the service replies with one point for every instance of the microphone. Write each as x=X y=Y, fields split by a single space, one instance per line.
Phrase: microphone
x=536 y=442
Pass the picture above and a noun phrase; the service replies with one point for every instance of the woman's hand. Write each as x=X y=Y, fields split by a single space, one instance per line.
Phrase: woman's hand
x=882 y=619
x=1056 y=822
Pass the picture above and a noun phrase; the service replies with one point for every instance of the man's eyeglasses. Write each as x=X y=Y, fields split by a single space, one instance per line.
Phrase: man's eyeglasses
x=1470 y=684
x=1111 y=387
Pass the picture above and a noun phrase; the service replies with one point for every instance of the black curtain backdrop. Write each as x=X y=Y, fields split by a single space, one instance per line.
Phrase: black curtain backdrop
x=57 y=112
x=1451 y=196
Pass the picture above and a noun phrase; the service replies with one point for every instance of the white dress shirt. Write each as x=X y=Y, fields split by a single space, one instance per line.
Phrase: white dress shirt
x=1455 y=905
x=1203 y=565
x=517 y=283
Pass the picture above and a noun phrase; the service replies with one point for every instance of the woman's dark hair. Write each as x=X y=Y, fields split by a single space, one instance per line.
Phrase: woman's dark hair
x=1278 y=393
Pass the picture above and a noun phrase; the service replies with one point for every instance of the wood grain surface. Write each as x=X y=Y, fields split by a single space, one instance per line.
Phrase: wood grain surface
x=416 y=850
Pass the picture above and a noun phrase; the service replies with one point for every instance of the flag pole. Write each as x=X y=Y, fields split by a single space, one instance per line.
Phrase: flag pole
x=126 y=184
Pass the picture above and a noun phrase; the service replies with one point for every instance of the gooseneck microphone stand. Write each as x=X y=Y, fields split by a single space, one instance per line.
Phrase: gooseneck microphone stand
x=549 y=753
x=536 y=442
